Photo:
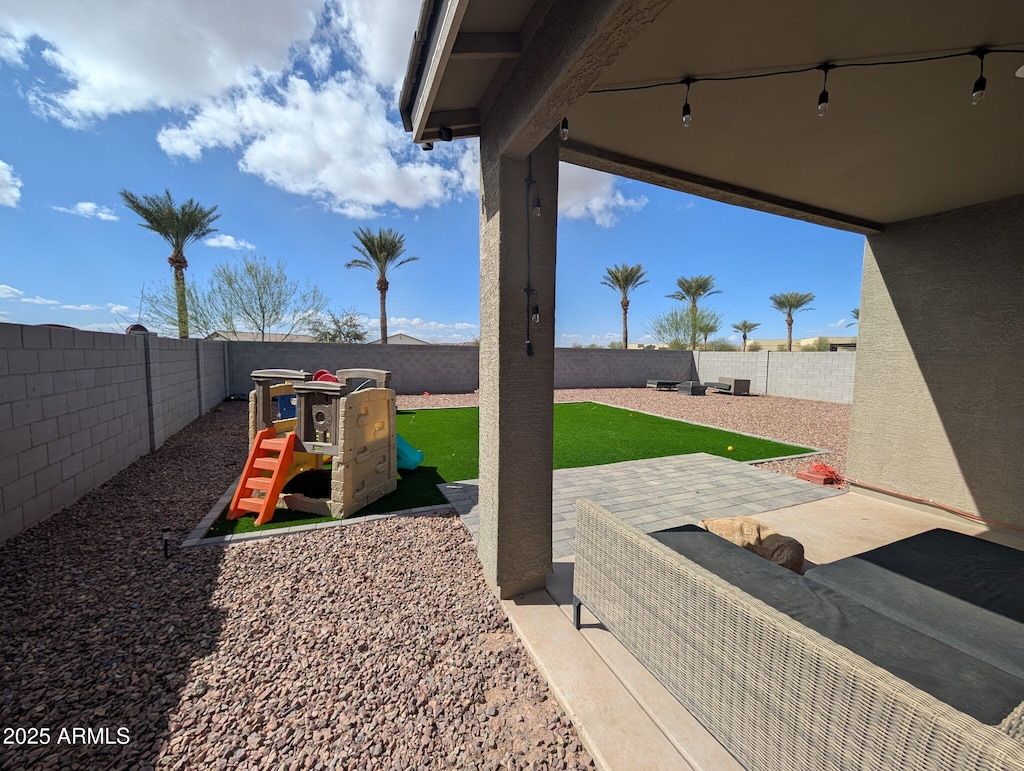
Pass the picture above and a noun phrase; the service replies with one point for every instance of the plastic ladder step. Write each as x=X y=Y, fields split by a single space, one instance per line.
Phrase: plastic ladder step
x=251 y=504
x=266 y=464
x=277 y=444
x=259 y=483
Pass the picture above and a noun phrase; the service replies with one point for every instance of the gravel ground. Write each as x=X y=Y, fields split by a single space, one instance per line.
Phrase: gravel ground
x=376 y=645
x=822 y=425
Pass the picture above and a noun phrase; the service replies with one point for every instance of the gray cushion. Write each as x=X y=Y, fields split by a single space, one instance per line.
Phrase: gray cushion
x=966 y=683
x=964 y=591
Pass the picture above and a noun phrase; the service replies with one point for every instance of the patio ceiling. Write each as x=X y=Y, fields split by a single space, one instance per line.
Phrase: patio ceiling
x=898 y=141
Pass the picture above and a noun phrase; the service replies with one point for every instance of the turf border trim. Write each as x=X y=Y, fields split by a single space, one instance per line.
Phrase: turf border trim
x=198 y=535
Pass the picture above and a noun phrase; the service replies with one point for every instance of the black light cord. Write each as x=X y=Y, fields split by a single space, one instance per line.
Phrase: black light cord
x=529 y=290
x=689 y=80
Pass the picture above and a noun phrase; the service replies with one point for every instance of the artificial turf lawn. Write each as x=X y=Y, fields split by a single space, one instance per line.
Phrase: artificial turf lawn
x=586 y=434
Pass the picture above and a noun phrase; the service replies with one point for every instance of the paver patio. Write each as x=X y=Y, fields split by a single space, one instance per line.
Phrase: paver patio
x=655 y=494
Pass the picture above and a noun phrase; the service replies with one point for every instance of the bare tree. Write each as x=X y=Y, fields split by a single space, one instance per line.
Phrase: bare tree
x=262 y=298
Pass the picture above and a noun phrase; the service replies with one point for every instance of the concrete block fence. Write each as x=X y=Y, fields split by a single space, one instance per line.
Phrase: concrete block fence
x=818 y=376
x=78 y=407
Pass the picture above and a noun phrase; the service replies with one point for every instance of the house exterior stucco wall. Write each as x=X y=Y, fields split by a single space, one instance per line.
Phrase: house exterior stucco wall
x=937 y=408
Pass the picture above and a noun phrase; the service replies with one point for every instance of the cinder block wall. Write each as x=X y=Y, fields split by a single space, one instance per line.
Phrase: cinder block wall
x=174 y=382
x=605 y=368
x=822 y=376
x=73 y=412
x=75 y=409
x=455 y=368
x=213 y=373
x=749 y=365
x=435 y=368
x=246 y=357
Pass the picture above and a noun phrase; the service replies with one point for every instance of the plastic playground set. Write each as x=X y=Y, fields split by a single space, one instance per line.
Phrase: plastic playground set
x=333 y=433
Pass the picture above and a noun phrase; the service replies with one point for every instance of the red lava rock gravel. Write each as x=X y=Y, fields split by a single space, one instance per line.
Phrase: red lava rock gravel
x=375 y=645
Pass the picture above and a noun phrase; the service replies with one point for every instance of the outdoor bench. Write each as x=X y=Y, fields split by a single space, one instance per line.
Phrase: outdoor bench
x=788 y=672
x=663 y=385
x=730 y=385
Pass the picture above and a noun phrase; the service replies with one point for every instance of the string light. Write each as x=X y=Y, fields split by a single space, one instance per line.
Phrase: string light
x=977 y=92
x=823 y=96
x=532 y=311
x=687 y=116
x=565 y=129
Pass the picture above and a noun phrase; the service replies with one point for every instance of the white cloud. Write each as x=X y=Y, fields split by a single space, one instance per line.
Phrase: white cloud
x=586 y=194
x=105 y=326
x=10 y=185
x=255 y=77
x=228 y=242
x=377 y=35
x=571 y=338
x=89 y=210
x=583 y=194
x=840 y=323
x=421 y=325
x=85 y=307
x=118 y=310
x=9 y=292
x=169 y=55
x=10 y=50
x=37 y=300
x=331 y=141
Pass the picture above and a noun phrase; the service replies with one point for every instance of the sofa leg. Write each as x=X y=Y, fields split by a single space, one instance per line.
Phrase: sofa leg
x=576 y=606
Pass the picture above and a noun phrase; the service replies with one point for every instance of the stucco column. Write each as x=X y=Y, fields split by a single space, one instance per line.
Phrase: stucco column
x=517 y=249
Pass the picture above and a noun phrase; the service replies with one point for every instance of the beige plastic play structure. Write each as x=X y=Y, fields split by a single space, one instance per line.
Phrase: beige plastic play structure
x=346 y=423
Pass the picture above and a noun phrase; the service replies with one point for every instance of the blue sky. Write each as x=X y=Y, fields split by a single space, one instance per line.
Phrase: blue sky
x=284 y=115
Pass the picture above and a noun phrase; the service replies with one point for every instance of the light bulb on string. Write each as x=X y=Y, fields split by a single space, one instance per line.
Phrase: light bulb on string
x=536 y=208
x=687 y=116
x=978 y=90
x=565 y=129
x=823 y=96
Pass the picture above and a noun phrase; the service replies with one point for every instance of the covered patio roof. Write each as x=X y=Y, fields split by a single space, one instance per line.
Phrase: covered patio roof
x=898 y=142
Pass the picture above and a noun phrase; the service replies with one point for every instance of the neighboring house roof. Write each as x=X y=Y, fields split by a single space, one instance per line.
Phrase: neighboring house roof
x=401 y=338
x=255 y=337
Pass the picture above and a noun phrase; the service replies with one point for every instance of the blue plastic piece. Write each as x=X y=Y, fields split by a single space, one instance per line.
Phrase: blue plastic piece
x=285 y=407
x=408 y=456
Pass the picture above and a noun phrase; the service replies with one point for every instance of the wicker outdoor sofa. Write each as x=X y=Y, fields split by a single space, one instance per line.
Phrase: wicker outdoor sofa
x=778 y=694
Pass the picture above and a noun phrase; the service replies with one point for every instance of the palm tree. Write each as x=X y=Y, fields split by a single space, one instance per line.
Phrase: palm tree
x=693 y=290
x=745 y=328
x=790 y=303
x=180 y=226
x=625 y=278
x=855 y=315
x=381 y=252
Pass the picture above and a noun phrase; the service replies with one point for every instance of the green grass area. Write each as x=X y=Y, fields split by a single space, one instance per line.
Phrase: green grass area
x=586 y=434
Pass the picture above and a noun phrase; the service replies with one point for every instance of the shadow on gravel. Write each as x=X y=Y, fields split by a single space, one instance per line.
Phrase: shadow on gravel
x=97 y=629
